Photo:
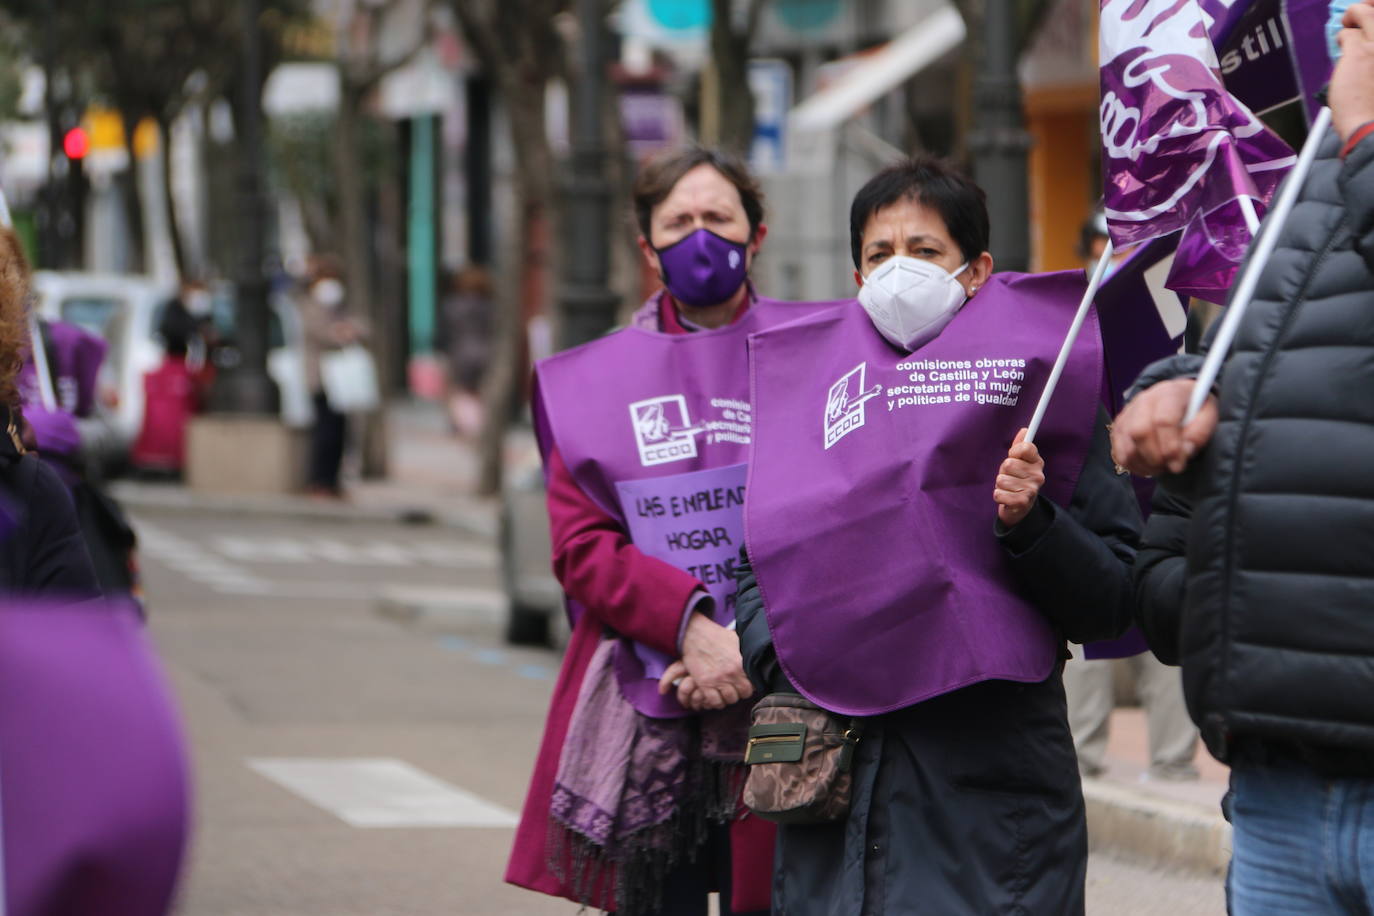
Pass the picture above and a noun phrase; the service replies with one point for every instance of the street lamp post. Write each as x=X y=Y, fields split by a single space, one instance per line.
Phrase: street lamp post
x=586 y=302
x=51 y=253
x=248 y=389
x=999 y=142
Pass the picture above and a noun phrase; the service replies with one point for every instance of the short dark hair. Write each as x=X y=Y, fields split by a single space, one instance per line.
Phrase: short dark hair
x=661 y=174
x=177 y=327
x=932 y=183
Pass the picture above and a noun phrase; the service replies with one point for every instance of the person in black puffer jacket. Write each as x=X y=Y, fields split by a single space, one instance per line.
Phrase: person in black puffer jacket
x=1257 y=569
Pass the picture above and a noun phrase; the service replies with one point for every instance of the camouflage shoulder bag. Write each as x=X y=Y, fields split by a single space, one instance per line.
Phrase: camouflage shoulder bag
x=799 y=759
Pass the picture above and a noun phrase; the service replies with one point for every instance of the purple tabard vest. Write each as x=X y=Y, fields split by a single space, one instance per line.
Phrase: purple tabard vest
x=655 y=429
x=870 y=517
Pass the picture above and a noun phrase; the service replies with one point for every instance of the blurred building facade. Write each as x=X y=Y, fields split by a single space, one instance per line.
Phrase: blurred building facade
x=841 y=87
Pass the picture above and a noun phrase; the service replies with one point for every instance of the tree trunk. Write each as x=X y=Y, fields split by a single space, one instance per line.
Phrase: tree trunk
x=386 y=318
x=319 y=226
x=357 y=258
x=734 y=100
x=354 y=249
x=129 y=185
x=533 y=204
x=164 y=147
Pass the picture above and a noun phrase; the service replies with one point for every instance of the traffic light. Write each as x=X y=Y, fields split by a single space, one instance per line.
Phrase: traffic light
x=76 y=143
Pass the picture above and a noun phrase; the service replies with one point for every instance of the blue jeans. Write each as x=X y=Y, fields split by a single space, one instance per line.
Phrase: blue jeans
x=1303 y=844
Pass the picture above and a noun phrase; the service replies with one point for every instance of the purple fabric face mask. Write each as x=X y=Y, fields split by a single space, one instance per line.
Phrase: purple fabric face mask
x=703 y=268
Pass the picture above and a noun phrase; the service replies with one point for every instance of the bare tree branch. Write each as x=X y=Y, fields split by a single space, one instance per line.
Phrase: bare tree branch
x=751 y=29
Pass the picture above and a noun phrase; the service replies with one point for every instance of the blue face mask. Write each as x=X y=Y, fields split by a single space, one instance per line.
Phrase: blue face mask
x=1334 y=27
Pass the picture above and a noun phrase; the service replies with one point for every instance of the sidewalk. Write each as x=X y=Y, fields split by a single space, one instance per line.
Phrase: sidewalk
x=1174 y=824
x=433 y=475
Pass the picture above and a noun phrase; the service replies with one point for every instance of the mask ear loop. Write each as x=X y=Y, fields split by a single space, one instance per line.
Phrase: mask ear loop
x=972 y=289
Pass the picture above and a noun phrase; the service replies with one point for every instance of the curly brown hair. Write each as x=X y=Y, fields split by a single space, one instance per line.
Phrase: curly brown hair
x=14 y=324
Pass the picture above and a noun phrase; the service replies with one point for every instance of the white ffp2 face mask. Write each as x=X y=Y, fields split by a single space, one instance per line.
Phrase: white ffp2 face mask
x=910 y=300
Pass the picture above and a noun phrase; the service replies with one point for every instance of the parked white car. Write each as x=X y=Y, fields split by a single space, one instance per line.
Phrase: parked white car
x=126 y=310
x=122 y=309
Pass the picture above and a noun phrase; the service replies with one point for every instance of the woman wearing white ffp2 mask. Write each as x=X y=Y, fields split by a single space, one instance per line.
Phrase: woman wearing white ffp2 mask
x=913 y=274
x=910 y=301
x=857 y=523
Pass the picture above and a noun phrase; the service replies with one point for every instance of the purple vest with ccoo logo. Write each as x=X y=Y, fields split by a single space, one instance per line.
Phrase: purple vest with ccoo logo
x=870 y=519
x=655 y=429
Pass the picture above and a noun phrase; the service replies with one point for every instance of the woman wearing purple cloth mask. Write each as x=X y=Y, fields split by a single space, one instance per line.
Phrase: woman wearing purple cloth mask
x=634 y=803
x=882 y=582
x=702 y=239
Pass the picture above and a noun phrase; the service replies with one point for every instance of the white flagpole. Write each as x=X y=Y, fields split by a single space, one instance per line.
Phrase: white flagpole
x=1247 y=207
x=40 y=363
x=1098 y=273
x=1264 y=249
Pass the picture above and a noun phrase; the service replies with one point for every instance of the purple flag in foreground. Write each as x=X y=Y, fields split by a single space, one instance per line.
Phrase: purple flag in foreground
x=1179 y=151
x=93 y=775
x=1141 y=321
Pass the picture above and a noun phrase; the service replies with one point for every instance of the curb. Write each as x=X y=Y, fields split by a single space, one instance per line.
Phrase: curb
x=462 y=610
x=1156 y=831
x=477 y=519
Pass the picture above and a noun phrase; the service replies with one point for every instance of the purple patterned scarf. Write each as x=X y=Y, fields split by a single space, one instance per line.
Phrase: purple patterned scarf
x=634 y=795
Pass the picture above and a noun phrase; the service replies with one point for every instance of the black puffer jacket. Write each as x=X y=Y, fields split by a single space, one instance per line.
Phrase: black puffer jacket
x=1273 y=619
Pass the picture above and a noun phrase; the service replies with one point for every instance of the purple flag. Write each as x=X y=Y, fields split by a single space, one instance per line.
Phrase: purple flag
x=1270 y=52
x=1142 y=320
x=74 y=357
x=1179 y=150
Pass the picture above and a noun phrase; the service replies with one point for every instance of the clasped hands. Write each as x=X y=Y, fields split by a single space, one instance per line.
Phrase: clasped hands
x=710 y=674
x=1150 y=437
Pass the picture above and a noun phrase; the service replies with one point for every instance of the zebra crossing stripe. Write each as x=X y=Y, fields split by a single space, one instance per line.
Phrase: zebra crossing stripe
x=379 y=792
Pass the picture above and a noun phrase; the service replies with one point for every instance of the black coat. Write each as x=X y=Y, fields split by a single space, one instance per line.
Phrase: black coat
x=970 y=802
x=1272 y=618
x=42 y=552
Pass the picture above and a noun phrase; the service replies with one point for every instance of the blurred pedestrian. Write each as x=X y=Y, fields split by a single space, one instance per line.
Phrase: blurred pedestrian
x=1255 y=574
x=467 y=326
x=886 y=595
x=172 y=394
x=327 y=328
x=634 y=802
x=1092 y=239
x=42 y=550
x=1090 y=687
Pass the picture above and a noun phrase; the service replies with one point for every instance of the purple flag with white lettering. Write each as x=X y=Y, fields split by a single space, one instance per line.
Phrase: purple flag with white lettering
x=1271 y=53
x=1179 y=150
